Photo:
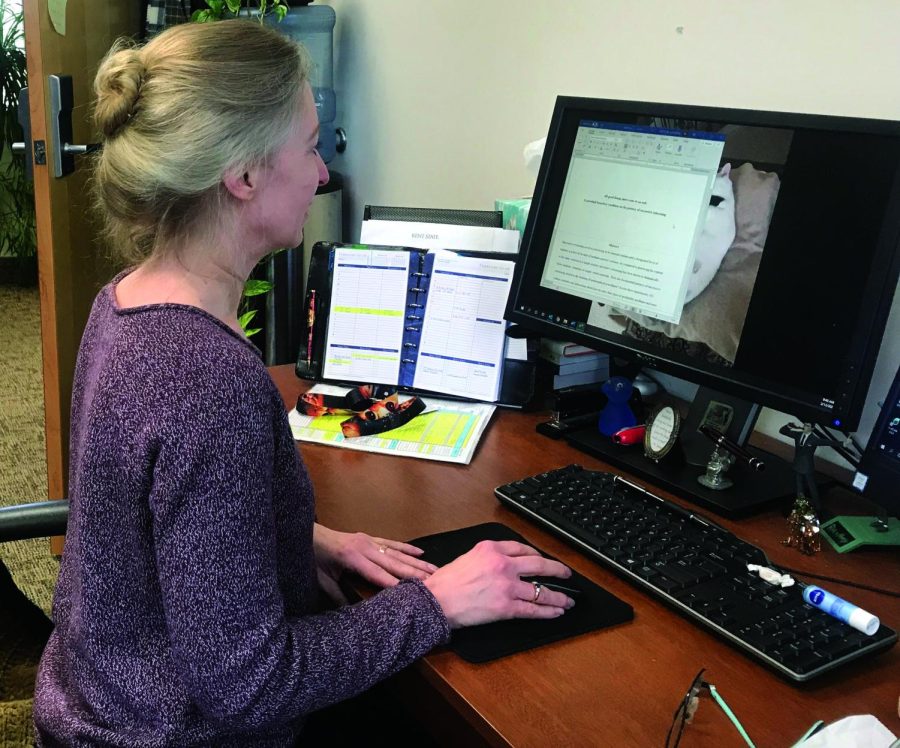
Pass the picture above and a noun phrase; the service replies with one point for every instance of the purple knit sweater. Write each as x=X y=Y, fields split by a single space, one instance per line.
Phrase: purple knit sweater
x=183 y=607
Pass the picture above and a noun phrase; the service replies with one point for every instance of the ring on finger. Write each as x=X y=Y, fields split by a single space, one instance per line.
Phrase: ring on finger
x=382 y=548
x=537 y=591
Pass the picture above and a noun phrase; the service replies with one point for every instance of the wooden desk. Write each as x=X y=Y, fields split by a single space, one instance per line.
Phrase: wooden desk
x=617 y=687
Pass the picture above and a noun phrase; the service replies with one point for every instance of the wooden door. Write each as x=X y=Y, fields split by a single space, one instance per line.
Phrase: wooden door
x=72 y=263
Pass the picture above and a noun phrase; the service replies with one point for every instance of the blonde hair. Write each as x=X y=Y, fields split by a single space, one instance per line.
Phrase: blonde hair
x=176 y=114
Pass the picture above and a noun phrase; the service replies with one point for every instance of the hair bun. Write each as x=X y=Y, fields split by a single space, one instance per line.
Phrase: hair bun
x=118 y=89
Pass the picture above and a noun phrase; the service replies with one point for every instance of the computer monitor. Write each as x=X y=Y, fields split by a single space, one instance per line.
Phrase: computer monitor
x=878 y=475
x=755 y=253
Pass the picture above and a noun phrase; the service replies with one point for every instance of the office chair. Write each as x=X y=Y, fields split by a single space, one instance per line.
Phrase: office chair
x=24 y=629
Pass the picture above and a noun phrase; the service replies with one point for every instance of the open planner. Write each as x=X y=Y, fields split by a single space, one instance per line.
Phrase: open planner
x=422 y=320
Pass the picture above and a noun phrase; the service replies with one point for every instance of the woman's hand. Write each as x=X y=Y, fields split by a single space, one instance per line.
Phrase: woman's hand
x=379 y=561
x=486 y=585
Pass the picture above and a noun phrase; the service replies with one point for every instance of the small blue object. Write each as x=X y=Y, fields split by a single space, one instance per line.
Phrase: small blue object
x=616 y=415
x=835 y=606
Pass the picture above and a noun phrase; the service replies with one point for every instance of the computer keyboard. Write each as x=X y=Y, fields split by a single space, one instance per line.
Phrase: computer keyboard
x=693 y=565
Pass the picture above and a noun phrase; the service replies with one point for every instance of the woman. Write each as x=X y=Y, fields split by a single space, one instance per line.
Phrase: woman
x=186 y=605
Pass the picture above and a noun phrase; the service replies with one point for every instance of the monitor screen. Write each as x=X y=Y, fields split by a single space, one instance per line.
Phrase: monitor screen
x=753 y=252
x=878 y=476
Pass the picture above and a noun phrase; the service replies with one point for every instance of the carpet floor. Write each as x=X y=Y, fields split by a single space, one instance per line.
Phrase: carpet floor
x=23 y=479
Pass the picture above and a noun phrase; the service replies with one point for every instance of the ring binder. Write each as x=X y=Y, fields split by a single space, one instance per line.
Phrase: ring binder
x=381 y=318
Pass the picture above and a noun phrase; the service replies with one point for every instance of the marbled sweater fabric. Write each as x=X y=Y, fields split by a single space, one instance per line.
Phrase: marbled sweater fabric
x=183 y=612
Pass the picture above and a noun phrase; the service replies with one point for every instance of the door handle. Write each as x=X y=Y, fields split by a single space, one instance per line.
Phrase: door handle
x=24 y=148
x=61 y=103
x=79 y=150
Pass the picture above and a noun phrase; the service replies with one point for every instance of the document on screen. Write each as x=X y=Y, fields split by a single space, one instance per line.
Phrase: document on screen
x=625 y=235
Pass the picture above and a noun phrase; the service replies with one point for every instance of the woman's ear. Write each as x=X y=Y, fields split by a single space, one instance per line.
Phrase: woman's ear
x=241 y=183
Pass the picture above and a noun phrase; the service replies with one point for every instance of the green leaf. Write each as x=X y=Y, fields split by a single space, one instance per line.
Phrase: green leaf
x=257 y=287
x=280 y=12
x=234 y=6
x=216 y=7
x=251 y=333
x=245 y=318
x=263 y=4
x=202 y=16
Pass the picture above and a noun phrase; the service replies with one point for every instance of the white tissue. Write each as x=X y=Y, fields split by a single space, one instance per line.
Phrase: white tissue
x=771 y=576
x=858 y=731
x=533 y=154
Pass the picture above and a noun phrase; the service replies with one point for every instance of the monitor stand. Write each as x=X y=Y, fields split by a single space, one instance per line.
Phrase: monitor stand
x=752 y=491
x=847 y=533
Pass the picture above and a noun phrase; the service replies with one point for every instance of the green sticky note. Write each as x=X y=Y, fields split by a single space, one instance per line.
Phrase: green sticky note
x=57 y=10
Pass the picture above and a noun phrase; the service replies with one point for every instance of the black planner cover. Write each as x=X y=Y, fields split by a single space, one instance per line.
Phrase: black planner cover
x=517 y=379
x=595 y=608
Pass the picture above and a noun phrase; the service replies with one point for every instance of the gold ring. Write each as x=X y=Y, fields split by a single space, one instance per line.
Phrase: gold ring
x=537 y=591
x=382 y=548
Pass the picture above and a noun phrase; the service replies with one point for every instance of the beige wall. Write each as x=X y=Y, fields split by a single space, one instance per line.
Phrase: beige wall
x=438 y=98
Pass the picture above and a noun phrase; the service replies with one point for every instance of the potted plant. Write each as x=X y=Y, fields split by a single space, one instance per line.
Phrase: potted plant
x=217 y=10
x=17 y=223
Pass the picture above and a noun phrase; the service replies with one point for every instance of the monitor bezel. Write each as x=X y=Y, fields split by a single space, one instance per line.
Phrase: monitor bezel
x=888 y=241
x=883 y=473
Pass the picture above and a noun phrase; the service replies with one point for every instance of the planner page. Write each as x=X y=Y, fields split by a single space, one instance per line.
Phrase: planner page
x=463 y=333
x=366 y=316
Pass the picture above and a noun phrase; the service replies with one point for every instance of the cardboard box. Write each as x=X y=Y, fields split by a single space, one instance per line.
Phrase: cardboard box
x=515 y=212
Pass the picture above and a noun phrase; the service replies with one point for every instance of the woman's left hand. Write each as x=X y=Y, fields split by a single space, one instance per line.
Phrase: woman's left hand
x=379 y=561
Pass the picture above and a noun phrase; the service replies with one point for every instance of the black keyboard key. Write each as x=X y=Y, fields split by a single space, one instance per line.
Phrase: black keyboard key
x=839 y=647
x=667 y=585
x=681 y=573
x=782 y=637
x=810 y=660
x=721 y=618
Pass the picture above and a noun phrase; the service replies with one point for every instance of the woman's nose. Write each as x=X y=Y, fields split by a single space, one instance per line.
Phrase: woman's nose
x=323 y=171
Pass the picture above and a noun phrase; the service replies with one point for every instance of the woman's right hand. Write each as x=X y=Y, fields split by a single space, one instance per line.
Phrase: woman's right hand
x=486 y=585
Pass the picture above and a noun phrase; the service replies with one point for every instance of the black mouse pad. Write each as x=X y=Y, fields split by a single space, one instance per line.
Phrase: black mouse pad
x=595 y=608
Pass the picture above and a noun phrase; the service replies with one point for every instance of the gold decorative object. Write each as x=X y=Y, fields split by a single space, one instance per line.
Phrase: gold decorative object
x=803 y=528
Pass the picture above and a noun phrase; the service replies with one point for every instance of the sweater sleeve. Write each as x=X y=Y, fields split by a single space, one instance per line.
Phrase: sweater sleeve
x=244 y=663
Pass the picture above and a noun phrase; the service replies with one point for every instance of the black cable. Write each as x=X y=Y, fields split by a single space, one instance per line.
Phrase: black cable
x=858 y=450
x=855 y=444
x=804 y=573
x=652 y=378
x=851 y=458
x=840 y=449
x=846 y=438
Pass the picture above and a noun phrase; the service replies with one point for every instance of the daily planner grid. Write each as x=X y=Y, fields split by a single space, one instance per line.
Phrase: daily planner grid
x=429 y=320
